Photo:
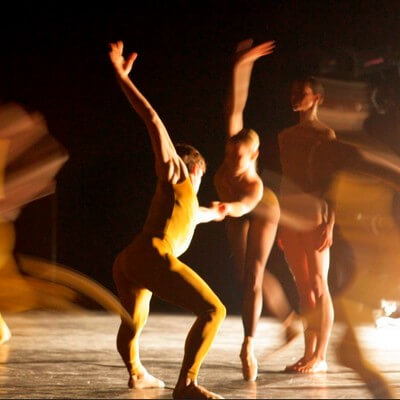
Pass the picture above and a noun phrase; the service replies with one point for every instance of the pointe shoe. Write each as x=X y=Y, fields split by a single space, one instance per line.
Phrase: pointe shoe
x=249 y=368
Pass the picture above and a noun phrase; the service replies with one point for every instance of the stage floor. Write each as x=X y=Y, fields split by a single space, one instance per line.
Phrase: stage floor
x=72 y=356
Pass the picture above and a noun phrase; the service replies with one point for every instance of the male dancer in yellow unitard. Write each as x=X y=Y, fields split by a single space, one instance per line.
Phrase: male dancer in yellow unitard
x=150 y=265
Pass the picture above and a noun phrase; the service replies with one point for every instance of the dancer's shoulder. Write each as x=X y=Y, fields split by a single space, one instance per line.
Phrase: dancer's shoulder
x=326 y=131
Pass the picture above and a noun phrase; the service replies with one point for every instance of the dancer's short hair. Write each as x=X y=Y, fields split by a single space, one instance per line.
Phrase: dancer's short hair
x=314 y=83
x=247 y=136
x=190 y=156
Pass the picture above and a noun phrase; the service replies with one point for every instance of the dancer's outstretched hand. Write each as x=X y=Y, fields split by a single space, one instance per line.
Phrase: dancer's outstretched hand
x=220 y=209
x=245 y=53
x=121 y=65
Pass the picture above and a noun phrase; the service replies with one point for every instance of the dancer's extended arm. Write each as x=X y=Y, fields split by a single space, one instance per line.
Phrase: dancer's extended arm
x=334 y=156
x=168 y=164
x=238 y=91
x=216 y=212
x=247 y=202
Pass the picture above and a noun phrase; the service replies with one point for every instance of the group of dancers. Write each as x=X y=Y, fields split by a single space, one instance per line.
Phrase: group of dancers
x=301 y=221
x=252 y=212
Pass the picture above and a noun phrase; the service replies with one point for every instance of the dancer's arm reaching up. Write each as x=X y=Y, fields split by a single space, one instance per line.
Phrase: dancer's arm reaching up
x=237 y=181
x=243 y=63
x=169 y=166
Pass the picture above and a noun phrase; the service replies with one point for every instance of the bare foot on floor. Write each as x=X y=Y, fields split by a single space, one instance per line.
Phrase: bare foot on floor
x=144 y=380
x=294 y=367
x=314 y=366
x=5 y=333
x=193 y=391
x=249 y=364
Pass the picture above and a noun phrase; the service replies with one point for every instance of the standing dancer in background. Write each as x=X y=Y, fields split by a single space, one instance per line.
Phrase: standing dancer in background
x=253 y=208
x=150 y=264
x=306 y=245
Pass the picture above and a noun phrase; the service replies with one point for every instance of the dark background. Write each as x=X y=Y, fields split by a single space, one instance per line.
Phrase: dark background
x=54 y=60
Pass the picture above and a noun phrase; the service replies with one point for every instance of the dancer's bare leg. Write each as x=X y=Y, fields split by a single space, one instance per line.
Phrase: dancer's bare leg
x=260 y=239
x=237 y=232
x=5 y=333
x=136 y=301
x=296 y=257
x=318 y=263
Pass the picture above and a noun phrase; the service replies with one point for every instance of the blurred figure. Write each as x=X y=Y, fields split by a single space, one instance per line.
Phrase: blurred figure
x=150 y=264
x=364 y=211
x=253 y=209
x=29 y=161
x=306 y=244
x=362 y=183
x=277 y=305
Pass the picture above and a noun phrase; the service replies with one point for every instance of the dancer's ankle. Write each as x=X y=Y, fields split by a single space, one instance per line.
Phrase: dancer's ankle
x=248 y=342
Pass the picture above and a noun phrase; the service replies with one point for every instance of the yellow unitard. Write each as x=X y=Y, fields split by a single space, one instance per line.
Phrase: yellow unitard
x=150 y=265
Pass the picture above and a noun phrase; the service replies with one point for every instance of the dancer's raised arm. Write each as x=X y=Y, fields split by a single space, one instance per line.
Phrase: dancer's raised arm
x=169 y=166
x=243 y=63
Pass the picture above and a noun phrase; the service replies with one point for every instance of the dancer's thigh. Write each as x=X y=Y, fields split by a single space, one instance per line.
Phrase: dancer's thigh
x=318 y=261
x=296 y=256
x=237 y=231
x=170 y=279
x=260 y=238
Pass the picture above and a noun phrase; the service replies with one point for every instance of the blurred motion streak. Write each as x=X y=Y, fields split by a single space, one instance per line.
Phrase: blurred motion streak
x=30 y=159
x=361 y=184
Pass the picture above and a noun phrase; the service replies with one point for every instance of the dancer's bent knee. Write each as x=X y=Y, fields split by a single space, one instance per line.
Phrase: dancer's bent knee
x=217 y=312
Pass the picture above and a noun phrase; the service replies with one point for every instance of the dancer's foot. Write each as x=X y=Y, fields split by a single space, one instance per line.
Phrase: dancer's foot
x=193 y=391
x=313 y=366
x=143 y=380
x=249 y=361
x=5 y=333
x=294 y=367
